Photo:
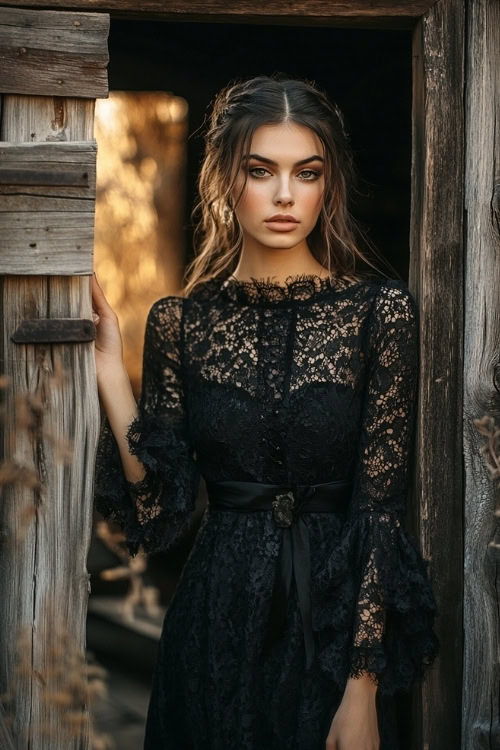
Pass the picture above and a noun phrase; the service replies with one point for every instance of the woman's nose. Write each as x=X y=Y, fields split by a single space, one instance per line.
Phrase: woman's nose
x=284 y=193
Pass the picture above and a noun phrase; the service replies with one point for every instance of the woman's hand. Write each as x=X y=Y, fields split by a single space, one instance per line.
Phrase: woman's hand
x=355 y=726
x=108 y=341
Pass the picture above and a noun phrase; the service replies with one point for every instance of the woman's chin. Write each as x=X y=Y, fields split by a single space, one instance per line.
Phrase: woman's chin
x=279 y=241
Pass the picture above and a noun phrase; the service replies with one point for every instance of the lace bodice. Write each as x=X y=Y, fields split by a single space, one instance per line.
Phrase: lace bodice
x=308 y=381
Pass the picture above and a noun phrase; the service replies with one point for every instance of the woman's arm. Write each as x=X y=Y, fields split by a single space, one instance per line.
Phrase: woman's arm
x=382 y=472
x=146 y=477
x=119 y=404
x=113 y=384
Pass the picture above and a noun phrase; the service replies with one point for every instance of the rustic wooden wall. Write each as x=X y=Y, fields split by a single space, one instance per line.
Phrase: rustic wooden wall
x=46 y=528
x=49 y=562
x=53 y=53
x=47 y=207
x=481 y=684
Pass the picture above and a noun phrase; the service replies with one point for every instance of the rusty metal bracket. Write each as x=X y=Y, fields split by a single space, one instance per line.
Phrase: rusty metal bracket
x=54 y=331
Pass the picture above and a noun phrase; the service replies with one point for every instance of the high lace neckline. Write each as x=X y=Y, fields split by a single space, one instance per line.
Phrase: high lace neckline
x=297 y=288
x=303 y=286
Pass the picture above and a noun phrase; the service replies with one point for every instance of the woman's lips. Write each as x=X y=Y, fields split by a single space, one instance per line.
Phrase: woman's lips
x=281 y=226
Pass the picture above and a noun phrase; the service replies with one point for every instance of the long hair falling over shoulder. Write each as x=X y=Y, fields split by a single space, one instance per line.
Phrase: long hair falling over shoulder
x=238 y=110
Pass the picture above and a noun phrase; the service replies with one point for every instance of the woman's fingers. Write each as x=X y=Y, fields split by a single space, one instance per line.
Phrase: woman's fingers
x=100 y=304
x=96 y=299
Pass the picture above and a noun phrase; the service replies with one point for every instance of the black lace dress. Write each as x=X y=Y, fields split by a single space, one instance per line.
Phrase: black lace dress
x=305 y=382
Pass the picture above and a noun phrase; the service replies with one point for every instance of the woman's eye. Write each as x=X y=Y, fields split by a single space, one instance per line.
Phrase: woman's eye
x=311 y=174
x=257 y=169
x=314 y=174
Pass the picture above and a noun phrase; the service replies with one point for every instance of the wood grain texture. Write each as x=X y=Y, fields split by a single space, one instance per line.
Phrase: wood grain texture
x=481 y=684
x=48 y=228
x=46 y=52
x=48 y=565
x=6 y=741
x=247 y=7
x=436 y=278
x=358 y=13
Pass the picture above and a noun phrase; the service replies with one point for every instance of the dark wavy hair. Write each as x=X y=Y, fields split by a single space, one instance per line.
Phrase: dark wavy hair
x=238 y=110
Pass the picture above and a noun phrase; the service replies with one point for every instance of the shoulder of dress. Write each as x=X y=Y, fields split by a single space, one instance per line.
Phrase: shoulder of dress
x=394 y=298
x=166 y=310
x=394 y=312
x=170 y=302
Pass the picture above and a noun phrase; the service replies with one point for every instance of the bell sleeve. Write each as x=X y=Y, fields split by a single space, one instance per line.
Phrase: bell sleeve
x=393 y=638
x=156 y=510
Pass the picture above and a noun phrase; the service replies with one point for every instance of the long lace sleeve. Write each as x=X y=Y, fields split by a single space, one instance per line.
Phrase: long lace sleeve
x=154 y=511
x=373 y=604
x=392 y=637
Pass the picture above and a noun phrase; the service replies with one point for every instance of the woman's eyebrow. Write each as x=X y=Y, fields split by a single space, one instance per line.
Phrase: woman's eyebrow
x=314 y=157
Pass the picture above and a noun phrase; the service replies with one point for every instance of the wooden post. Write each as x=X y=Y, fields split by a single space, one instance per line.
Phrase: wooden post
x=436 y=272
x=46 y=529
x=481 y=683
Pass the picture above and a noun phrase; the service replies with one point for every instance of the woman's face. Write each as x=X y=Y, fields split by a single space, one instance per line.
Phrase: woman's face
x=285 y=176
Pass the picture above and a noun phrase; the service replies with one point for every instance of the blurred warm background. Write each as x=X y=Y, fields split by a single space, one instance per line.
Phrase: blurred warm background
x=139 y=256
x=139 y=252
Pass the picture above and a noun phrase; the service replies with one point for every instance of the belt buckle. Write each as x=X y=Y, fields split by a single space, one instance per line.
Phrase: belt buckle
x=283 y=507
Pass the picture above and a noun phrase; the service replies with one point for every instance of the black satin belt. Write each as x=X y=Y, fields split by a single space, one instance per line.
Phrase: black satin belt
x=287 y=503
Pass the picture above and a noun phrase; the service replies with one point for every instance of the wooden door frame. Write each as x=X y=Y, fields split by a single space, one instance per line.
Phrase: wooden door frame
x=436 y=265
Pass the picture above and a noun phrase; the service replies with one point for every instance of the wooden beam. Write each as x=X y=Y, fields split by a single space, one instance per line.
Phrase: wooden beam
x=436 y=278
x=358 y=13
x=481 y=684
x=47 y=529
x=53 y=53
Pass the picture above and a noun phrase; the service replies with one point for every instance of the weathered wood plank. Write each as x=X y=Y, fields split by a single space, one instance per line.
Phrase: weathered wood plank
x=29 y=254
x=6 y=741
x=436 y=278
x=47 y=228
x=324 y=8
x=481 y=683
x=47 y=52
x=49 y=565
x=33 y=204
x=48 y=153
x=358 y=13
x=40 y=176
x=41 y=112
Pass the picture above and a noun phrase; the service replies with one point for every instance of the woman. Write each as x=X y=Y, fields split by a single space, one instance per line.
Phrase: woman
x=290 y=385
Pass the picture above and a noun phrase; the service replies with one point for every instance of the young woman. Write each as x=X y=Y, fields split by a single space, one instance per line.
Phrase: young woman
x=290 y=385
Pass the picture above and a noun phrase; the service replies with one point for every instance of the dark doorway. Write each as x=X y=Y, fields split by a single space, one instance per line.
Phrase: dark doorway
x=368 y=73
